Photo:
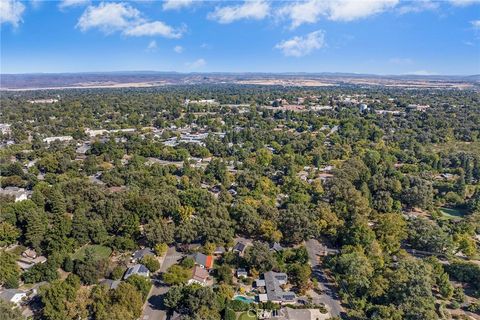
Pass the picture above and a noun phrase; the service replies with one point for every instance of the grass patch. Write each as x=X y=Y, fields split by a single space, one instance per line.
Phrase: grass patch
x=247 y=316
x=457 y=146
x=453 y=213
x=99 y=252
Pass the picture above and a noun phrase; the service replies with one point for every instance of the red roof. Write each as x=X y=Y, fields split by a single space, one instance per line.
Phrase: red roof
x=209 y=262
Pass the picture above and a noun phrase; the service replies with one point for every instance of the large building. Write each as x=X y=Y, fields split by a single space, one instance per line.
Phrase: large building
x=272 y=281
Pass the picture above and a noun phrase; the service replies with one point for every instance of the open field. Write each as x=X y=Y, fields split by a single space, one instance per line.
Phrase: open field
x=246 y=316
x=99 y=252
x=456 y=146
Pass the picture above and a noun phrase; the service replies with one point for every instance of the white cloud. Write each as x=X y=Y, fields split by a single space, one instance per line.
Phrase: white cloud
x=152 y=45
x=177 y=4
x=72 y=3
x=154 y=28
x=301 y=46
x=311 y=11
x=250 y=9
x=197 y=64
x=418 y=6
x=110 y=17
x=11 y=11
x=463 y=3
x=178 y=49
x=475 y=24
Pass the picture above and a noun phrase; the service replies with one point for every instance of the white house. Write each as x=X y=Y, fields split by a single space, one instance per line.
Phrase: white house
x=59 y=138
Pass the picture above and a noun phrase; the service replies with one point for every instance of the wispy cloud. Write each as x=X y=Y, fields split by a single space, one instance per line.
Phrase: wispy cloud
x=178 y=4
x=197 y=64
x=110 y=17
x=154 y=28
x=178 y=49
x=152 y=45
x=72 y=3
x=463 y=3
x=475 y=24
x=311 y=11
x=254 y=10
x=418 y=6
x=302 y=46
x=11 y=11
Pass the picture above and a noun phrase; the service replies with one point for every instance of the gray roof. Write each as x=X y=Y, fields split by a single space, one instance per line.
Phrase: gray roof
x=276 y=247
x=240 y=246
x=200 y=258
x=272 y=285
x=139 y=254
x=298 y=314
x=139 y=269
x=111 y=284
x=8 y=294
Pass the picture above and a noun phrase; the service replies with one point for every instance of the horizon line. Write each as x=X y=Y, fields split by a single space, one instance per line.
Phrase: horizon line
x=245 y=72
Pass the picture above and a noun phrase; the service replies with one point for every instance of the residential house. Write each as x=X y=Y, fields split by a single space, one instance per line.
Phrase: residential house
x=139 y=254
x=13 y=296
x=242 y=273
x=5 y=128
x=59 y=138
x=199 y=275
x=19 y=194
x=272 y=281
x=219 y=251
x=276 y=247
x=203 y=260
x=29 y=259
x=111 y=284
x=239 y=248
x=138 y=269
x=299 y=314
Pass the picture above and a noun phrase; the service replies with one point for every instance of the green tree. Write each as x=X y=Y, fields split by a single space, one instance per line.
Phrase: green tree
x=151 y=263
x=9 y=270
x=142 y=284
x=260 y=257
x=159 y=231
x=8 y=234
x=9 y=312
x=176 y=275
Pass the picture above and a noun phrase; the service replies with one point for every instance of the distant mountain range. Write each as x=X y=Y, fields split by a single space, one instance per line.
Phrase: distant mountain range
x=122 y=79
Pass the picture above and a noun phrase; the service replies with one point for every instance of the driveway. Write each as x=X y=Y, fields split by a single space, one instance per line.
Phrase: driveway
x=153 y=308
x=330 y=296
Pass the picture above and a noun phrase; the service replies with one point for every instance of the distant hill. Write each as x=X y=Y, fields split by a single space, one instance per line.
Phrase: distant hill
x=123 y=79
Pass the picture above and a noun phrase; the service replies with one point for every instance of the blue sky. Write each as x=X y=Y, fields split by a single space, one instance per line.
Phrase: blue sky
x=362 y=36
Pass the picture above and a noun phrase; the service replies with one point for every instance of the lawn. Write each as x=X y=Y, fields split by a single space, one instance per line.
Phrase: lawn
x=247 y=316
x=99 y=252
x=453 y=213
x=456 y=146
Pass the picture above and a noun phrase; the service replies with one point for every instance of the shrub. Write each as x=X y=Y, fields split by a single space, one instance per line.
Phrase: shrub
x=151 y=263
x=117 y=273
x=67 y=264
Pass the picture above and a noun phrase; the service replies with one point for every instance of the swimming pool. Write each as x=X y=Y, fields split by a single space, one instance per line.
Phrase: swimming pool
x=244 y=299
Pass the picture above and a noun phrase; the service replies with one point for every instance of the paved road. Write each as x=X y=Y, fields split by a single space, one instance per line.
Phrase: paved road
x=153 y=308
x=330 y=297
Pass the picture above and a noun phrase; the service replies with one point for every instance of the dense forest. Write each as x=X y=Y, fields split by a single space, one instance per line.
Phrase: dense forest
x=394 y=189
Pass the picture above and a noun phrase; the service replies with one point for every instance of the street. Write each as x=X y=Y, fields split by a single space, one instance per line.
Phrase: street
x=153 y=308
x=330 y=296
